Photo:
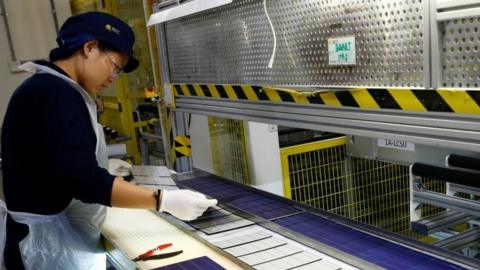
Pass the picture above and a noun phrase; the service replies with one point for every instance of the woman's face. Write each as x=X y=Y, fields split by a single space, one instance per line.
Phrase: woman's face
x=99 y=68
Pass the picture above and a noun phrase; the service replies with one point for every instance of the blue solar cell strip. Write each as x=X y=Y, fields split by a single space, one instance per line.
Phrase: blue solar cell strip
x=351 y=241
x=362 y=245
x=242 y=199
x=200 y=263
x=213 y=212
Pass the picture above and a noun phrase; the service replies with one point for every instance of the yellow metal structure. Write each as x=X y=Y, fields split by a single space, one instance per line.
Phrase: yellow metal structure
x=322 y=175
x=120 y=102
x=295 y=178
x=120 y=117
x=377 y=193
x=81 y=6
x=229 y=153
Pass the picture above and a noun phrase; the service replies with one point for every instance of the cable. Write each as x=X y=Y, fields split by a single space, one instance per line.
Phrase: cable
x=272 y=58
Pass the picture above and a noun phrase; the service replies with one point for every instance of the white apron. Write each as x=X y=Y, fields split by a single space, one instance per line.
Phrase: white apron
x=87 y=218
x=70 y=239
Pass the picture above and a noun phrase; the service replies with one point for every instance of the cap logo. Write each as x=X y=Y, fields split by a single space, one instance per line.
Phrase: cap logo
x=112 y=29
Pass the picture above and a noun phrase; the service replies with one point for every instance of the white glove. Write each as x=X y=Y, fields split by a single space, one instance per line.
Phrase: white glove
x=118 y=167
x=185 y=204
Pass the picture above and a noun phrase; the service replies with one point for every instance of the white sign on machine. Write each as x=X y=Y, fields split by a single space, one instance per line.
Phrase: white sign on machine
x=396 y=144
x=341 y=51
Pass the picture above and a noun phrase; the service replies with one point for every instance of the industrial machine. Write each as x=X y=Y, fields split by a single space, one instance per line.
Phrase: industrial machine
x=390 y=180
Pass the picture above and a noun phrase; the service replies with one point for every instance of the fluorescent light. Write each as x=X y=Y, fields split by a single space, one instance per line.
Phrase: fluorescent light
x=185 y=9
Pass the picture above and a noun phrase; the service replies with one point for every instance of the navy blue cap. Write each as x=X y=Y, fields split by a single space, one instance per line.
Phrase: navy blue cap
x=102 y=27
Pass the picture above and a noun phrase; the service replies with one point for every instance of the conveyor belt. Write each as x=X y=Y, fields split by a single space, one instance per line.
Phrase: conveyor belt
x=307 y=222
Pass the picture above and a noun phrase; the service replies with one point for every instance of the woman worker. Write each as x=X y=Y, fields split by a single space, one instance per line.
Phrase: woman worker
x=54 y=154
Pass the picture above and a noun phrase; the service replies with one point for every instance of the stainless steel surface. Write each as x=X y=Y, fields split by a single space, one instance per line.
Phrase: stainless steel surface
x=361 y=147
x=144 y=151
x=162 y=51
x=167 y=3
x=461 y=59
x=4 y=14
x=443 y=4
x=365 y=147
x=449 y=202
x=461 y=240
x=164 y=78
x=452 y=131
x=443 y=220
x=455 y=44
x=117 y=258
x=464 y=189
x=435 y=45
x=233 y=44
x=458 y=14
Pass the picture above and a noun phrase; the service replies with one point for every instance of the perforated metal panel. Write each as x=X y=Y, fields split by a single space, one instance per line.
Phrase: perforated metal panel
x=461 y=57
x=233 y=44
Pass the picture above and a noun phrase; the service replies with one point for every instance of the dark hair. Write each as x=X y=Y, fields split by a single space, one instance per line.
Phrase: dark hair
x=104 y=46
x=62 y=53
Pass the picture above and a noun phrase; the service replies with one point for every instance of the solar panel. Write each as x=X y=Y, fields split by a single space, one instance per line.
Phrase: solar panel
x=154 y=180
x=150 y=171
x=200 y=263
x=212 y=212
x=270 y=254
x=217 y=220
x=205 y=223
x=227 y=226
x=242 y=199
x=253 y=247
x=289 y=262
x=370 y=248
x=257 y=246
x=359 y=244
x=264 y=207
x=240 y=239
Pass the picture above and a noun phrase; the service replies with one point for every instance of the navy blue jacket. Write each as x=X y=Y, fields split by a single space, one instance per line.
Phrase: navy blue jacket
x=48 y=154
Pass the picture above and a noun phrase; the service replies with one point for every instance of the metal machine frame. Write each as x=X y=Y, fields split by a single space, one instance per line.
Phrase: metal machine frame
x=428 y=115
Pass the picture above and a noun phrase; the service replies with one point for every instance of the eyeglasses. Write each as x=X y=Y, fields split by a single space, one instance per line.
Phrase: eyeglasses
x=118 y=69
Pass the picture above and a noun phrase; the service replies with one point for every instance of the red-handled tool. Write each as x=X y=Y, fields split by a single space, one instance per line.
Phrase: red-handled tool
x=152 y=251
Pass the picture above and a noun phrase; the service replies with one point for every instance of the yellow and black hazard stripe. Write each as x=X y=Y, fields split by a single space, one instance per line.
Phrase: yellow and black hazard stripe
x=419 y=100
x=179 y=146
x=183 y=146
x=169 y=131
